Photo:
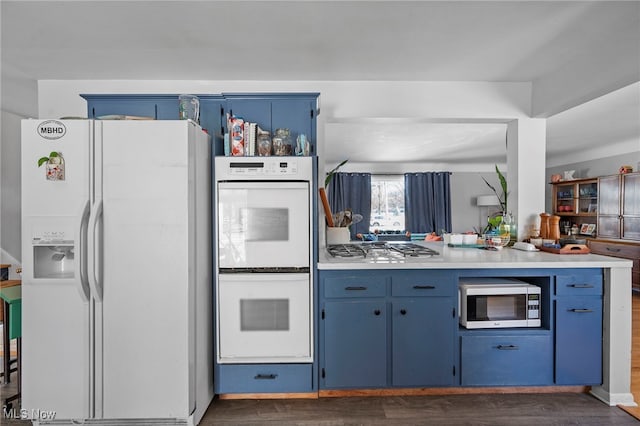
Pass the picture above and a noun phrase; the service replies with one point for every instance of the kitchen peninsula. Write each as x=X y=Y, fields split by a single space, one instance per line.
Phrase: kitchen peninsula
x=388 y=322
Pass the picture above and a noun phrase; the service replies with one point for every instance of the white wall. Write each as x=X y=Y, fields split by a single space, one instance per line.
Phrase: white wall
x=10 y=183
x=465 y=214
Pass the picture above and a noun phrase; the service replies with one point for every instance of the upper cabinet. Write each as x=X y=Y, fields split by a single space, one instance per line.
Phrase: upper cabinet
x=157 y=107
x=576 y=200
x=619 y=206
x=294 y=111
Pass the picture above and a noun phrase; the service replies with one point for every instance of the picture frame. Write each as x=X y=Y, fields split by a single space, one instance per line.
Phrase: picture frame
x=587 y=228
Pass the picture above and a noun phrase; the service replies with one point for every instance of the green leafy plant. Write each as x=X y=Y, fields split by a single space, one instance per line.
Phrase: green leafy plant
x=333 y=172
x=495 y=220
x=502 y=198
x=52 y=155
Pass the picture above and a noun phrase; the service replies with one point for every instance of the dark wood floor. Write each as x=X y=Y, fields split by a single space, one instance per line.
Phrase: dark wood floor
x=509 y=409
x=504 y=409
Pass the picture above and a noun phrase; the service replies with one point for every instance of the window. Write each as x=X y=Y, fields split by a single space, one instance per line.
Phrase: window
x=387 y=203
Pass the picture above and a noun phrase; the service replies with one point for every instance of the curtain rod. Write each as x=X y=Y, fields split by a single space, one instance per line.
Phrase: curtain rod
x=397 y=174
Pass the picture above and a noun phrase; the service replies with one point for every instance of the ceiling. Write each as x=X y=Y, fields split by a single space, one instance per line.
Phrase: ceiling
x=571 y=52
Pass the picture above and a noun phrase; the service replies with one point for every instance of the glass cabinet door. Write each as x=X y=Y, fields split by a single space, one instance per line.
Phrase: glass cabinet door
x=588 y=198
x=564 y=201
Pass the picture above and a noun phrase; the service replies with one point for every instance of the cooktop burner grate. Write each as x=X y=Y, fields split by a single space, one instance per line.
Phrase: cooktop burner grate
x=375 y=247
x=411 y=249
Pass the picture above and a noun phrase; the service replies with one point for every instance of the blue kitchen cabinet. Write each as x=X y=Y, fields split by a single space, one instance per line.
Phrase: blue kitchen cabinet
x=158 y=107
x=294 y=111
x=389 y=329
x=424 y=325
x=252 y=109
x=211 y=120
x=506 y=359
x=423 y=341
x=578 y=330
x=298 y=115
x=355 y=344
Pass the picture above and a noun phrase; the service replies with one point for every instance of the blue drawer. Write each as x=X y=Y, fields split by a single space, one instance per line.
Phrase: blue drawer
x=355 y=286
x=264 y=378
x=423 y=283
x=507 y=360
x=586 y=282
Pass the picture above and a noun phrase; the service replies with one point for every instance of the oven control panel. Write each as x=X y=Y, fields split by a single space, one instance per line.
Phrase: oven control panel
x=264 y=168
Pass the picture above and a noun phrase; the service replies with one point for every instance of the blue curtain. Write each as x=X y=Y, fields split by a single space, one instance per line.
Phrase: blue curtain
x=427 y=202
x=352 y=191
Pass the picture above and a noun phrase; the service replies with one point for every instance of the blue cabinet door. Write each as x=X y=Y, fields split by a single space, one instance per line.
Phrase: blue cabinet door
x=295 y=115
x=579 y=340
x=355 y=344
x=252 y=110
x=140 y=108
x=158 y=107
x=211 y=120
x=423 y=341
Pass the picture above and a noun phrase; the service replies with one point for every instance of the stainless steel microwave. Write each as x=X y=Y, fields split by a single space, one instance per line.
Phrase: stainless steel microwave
x=498 y=303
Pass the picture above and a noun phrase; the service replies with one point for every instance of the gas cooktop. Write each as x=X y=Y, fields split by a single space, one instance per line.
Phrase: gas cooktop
x=380 y=249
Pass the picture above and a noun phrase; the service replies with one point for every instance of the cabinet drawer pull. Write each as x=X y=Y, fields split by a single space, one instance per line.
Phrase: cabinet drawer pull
x=615 y=250
x=580 y=311
x=508 y=347
x=403 y=312
x=580 y=285
x=424 y=287
x=355 y=288
x=377 y=312
x=265 y=376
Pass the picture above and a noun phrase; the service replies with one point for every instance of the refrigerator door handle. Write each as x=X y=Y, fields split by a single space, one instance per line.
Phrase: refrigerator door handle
x=93 y=261
x=81 y=252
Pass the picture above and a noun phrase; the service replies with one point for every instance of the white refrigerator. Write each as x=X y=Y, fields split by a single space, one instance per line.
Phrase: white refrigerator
x=116 y=281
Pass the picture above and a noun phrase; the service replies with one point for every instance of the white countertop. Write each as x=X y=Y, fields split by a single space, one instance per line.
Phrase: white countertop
x=473 y=258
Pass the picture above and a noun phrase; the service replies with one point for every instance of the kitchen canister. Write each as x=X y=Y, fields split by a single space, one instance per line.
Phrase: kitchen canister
x=282 y=142
x=189 y=108
x=264 y=144
x=338 y=235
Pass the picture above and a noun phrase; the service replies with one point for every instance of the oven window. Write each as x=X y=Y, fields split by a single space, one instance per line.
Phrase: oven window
x=265 y=224
x=264 y=314
x=497 y=307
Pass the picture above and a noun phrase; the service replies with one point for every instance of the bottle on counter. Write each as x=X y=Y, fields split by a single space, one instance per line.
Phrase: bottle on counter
x=554 y=228
x=544 y=225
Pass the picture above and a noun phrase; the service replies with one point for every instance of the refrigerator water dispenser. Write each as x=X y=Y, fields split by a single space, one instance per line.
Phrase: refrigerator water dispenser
x=53 y=261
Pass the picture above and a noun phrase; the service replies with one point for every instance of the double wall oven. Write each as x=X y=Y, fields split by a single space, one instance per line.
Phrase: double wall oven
x=264 y=255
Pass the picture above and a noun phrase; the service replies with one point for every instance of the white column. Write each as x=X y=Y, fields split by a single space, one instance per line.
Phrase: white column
x=616 y=344
x=526 y=148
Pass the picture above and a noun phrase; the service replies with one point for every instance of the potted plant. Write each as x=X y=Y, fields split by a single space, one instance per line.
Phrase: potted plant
x=499 y=222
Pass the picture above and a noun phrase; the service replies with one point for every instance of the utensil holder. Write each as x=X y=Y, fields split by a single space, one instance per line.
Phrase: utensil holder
x=338 y=235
